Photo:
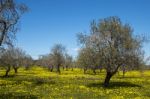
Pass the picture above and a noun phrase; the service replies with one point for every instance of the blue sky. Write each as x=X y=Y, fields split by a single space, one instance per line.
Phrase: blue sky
x=58 y=21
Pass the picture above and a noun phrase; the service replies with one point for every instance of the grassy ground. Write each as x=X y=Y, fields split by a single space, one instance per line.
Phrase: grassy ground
x=40 y=83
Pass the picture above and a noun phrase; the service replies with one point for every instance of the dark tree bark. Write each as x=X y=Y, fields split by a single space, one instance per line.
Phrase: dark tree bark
x=58 y=68
x=94 y=71
x=107 y=79
x=85 y=69
x=109 y=75
x=15 y=69
x=3 y=31
x=66 y=68
x=51 y=69
x=7 y=71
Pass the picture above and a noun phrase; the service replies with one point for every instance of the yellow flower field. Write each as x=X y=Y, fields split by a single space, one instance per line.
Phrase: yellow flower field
x=39 y=83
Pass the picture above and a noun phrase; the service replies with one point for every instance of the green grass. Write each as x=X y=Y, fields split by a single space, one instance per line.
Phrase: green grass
x=39 y=83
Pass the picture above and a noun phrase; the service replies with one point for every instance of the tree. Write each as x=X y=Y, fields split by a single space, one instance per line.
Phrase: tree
x=68 y=61
x=17 y=56
x=6 y=60
x=115 y=44
x=82 y=60
x=12 y=57
x=51 y=62
x=27 y=61
x=57 y=53
x=88 y=59
x=46 y=61
x=10 y=13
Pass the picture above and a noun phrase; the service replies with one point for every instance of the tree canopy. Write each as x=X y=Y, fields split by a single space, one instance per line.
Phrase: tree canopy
x=114 y=43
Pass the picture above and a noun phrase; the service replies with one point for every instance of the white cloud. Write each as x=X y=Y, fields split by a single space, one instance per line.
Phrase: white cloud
x=73 y=52
x=76 y=49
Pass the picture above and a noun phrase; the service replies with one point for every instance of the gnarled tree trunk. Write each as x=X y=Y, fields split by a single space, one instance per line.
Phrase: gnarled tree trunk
x=15 y=69
x=58 y=68
x=107 y=79
x=109 y=75
x=7 y=71
x=51 y=69
x=94 y=71
x=3 y=31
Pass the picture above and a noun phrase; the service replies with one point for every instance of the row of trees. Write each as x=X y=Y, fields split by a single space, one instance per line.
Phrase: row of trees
x=110 y=45
x=57 y=58
x=14 y=57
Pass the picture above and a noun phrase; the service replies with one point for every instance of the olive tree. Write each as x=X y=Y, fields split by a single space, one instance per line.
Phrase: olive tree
x=10 y=13
x=88 y=59
x=115 y=44
x=12 y=57
x=6 y=60
x=57 y=53
x=18 y=57
x=46 y=61
x=83 y=60
x=68 y=61
x=51 y=62
x=27 y=61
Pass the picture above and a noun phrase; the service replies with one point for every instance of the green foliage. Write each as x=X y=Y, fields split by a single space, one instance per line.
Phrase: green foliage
x=40 y=83
x=112 y=45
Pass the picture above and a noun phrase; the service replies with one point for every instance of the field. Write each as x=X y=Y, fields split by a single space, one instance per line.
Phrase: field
x=39 y=83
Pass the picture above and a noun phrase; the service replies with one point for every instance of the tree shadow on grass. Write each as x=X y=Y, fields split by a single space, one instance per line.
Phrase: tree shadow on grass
x=129 y=77
x=36 y=81
x=9 y=76
x=114 y=85
x=40 y=81
x=16 y=75
x=14 y=95
x=144 y=76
